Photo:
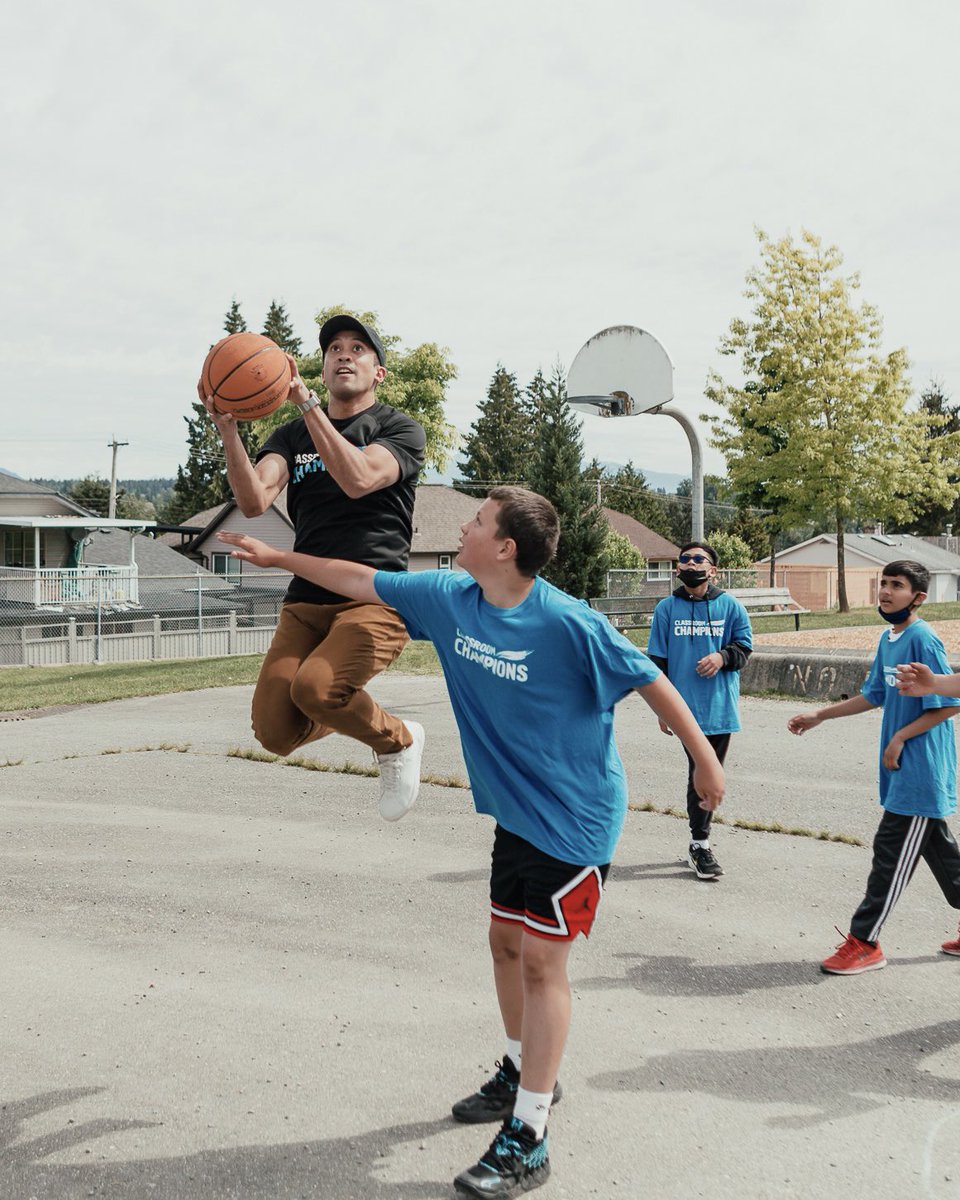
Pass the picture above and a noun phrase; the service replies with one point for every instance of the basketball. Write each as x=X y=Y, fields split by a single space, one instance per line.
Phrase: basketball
x=247 y=375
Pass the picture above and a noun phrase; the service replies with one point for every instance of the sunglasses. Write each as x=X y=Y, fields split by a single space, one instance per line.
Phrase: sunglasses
x=695 y=558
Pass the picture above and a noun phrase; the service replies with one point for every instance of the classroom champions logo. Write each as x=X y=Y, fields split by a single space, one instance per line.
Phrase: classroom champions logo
x=505 y=664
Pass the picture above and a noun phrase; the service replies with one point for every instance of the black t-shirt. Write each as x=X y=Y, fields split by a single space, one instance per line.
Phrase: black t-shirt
x=374 y=529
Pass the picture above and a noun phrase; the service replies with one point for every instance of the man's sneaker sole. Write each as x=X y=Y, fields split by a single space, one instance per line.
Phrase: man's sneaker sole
x=951 y=948
x=709 y=875
x=479 y=1110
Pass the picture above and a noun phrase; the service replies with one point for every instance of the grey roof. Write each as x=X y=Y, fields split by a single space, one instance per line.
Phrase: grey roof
x=885 y=547
x=438 y=513
x=10 y=485
x=647 y=541
x=112 y=548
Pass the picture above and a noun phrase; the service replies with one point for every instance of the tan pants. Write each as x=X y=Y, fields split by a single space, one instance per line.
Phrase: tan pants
x=312 y=679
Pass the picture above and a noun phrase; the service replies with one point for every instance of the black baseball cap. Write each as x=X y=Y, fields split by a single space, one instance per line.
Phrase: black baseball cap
x=330 y=329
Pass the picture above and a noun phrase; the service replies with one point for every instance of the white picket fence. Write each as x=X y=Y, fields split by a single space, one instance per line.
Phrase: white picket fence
x=190 y=616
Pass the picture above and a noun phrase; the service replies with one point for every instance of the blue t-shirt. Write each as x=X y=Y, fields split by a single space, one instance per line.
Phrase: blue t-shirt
x=533 y=690
x=926 y=783
x=683 y=631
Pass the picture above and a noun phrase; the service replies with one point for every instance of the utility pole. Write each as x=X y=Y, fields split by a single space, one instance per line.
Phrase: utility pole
x=112 y=509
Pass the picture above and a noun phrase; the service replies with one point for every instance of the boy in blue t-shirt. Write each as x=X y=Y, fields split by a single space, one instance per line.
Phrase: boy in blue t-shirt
x=533 y=677
x=700 y=638
x=918 y=768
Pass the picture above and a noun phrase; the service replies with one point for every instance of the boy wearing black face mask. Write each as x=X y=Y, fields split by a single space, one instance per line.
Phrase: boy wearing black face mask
x=918 y=769
x=700 y=638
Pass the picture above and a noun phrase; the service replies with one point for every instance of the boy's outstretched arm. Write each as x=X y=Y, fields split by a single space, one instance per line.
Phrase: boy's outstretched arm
x=846 y=708
x=671 y=708
x=917 y=679
x=345 y=578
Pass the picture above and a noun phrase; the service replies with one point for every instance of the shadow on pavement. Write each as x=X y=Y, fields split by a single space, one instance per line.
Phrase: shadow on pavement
x=346 y=1168
x=832 y=1080
x=675 y=975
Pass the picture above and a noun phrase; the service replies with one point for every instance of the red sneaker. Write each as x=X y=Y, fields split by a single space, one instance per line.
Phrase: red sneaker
x=854 y=957
x=952 y=947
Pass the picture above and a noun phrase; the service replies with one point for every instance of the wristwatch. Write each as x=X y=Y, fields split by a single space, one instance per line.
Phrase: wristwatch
x=312 y=401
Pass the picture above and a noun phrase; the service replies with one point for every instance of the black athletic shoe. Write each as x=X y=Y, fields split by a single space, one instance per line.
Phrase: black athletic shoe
x=495 y=1100
x=703 y=862
x=515 y=1162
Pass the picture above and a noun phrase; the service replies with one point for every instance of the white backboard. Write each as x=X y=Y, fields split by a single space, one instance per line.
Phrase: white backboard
x=620 y=372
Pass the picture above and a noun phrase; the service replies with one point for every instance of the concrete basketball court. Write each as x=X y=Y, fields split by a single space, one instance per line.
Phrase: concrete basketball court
x=224 y=978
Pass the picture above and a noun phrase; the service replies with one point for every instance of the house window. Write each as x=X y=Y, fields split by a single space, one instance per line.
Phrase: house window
x=225 y=564
x=18 y=548
x=444 y=562
x=659 y=569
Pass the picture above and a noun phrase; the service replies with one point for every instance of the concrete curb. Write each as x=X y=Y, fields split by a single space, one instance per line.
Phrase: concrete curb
x=813 y=673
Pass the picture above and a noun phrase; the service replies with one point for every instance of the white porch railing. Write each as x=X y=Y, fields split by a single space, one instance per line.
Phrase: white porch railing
x=50 y=587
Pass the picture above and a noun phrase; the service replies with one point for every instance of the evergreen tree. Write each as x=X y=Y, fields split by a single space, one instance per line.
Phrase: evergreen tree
x=497 y=448
x=277 y=327
x=93 y=494
x=627 y=491
x=579 y=566
x=233 y=322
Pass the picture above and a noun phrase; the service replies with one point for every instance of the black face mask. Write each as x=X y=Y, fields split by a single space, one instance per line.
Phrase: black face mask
x=898 y=617
x=692 y=578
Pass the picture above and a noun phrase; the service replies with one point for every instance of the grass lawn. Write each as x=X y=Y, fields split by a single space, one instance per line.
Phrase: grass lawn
x=40 y=687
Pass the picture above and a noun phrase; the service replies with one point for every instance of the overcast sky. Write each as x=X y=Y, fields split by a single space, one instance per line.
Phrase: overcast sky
x=504 y=177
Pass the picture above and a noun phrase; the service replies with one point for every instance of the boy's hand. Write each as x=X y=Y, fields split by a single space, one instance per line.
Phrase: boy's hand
x=914 y=679
x=251 y=549
x=710 y=664
x=803 y=721
x=665 y=728
x=891 y=755
x=709 y=784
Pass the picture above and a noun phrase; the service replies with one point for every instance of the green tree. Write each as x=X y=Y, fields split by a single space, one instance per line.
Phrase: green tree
x=850 y=446
x=233 y=322
x=620 y=554
x=277 y=327
x=748 y=525
x=933 y=519
x=93 y=493
x=733 y=553
x=626 y=491
x=555 y=472
x=497 y=446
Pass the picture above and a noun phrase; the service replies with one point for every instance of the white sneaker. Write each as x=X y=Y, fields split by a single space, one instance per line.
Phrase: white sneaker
x=400 y=776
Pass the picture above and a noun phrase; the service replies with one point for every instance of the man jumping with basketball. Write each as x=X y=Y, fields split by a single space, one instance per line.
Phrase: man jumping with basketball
x=350 y=471
x=533 y=677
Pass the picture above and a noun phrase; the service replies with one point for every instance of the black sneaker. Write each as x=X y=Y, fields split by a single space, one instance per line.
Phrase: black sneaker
x=515 y=1162
x=496 y=1098
x=703 y=862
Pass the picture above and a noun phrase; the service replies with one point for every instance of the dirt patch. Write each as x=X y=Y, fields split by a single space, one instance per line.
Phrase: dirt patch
x=856 y=637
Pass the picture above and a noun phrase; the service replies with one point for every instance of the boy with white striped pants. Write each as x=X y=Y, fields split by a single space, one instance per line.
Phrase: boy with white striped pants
x=918 y=769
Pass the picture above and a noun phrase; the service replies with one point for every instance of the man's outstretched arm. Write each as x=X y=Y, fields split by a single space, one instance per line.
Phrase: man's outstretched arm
x=336 y=574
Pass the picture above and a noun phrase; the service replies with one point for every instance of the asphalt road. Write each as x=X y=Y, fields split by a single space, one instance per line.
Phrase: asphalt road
x=223 y=978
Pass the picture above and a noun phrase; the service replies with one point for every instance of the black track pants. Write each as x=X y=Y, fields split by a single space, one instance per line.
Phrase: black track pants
x=899 y=845
x=700 y=820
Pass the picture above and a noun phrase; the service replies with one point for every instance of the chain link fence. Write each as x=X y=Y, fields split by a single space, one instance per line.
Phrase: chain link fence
x=113 y=614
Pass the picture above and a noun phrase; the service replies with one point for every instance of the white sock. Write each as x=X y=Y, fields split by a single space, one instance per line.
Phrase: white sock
x=513 y=1050
x=533 y=1108
x=702 y=845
